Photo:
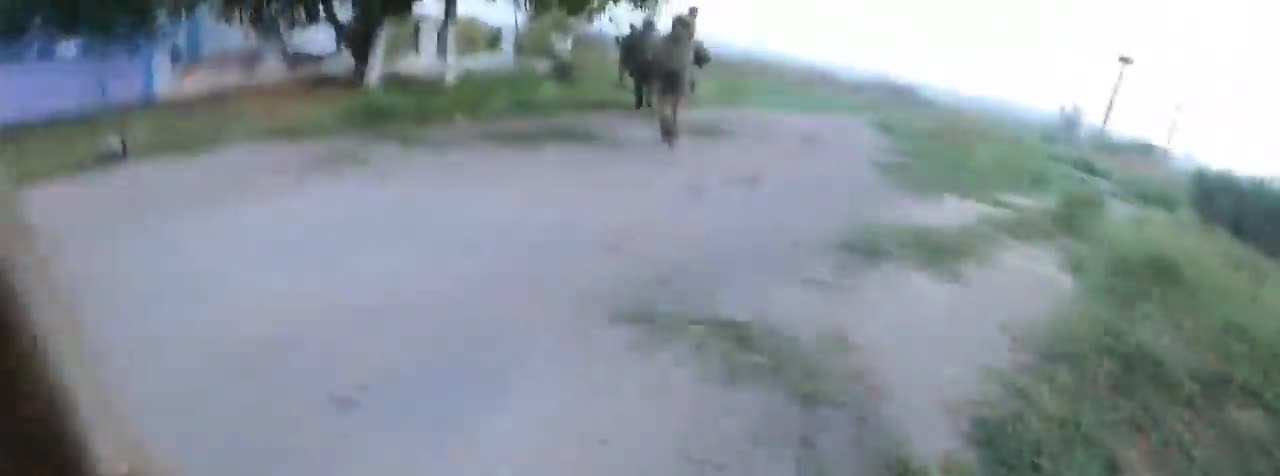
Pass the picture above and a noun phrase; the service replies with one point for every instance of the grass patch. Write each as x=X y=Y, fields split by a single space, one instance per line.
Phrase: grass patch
x=548 y=133
x=945 y=251
x=705 y=130
x=811 y=372
x=970 y=156
x=481 y=96
x=1166 y=194
x=41 y=151
x=1165 y=363
x=940 y=250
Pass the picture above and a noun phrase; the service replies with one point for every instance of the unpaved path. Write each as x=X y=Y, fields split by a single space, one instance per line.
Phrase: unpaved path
x=441 y=306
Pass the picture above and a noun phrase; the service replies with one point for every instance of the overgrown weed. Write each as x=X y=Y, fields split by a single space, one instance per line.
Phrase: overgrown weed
x=1164 y=363
x=813 y=371
x=942 y=251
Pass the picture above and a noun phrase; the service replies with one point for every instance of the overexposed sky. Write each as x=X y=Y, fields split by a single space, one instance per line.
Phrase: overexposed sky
x=1218 y=59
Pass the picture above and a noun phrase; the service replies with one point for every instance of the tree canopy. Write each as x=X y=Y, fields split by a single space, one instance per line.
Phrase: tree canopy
x=587 y=7
x=87 y=17
x=103 y=17
x=107 y=17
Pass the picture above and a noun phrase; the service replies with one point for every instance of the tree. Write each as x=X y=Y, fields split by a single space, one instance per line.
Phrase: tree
x=370 y=15
x=83 y=17
x=357 y=34
x=585 y=7
x=266 y=16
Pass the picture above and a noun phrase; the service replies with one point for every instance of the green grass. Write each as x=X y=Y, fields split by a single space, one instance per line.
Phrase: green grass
x=548 y=133
x=970 y=156
x=1165 y=363
x=705 y=130
x=1158 y=192
x=943 y=251
x=42 y=151
x=817 y=373
x=810 y=371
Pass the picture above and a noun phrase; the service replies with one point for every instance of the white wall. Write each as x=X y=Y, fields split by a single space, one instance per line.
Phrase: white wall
x=496 y=12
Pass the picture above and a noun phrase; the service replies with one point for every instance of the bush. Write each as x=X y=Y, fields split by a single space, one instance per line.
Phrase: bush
x=1111 y=145
x=536 y=39
x=968 y=155
x=1078 y=211
x=1082 y=164
x=943 y=251
x=1164 y=194
x=475 y=36
x=1248 y=208
x=1167 y=362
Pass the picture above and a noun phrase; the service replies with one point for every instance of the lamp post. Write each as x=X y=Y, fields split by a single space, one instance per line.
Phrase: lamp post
x=1125 y=61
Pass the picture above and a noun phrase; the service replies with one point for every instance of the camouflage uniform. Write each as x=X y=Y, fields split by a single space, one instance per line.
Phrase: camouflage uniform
x=637 y=55
x=671 y=63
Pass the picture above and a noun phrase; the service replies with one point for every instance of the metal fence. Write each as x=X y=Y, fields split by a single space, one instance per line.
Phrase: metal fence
x=44 y=89
x=45 y=78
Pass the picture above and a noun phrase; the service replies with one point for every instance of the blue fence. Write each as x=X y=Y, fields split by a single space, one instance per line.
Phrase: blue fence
x=38 y=84
x=33 y=91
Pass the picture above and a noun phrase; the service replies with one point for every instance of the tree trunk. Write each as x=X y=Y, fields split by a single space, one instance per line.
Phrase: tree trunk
x=442 y=41
x=377 y=58
x=311 y=12
x=331 y=16
x=442 y=34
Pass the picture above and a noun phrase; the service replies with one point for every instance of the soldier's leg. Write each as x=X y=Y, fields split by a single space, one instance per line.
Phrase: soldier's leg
x=638 y=88
x=669 y=90
x=640 y=84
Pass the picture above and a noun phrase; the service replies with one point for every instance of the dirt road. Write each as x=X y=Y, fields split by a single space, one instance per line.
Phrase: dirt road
x=442 y=306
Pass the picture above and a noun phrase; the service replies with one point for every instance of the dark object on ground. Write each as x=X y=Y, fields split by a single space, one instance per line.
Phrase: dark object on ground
x=293 y=61
x=563 y=71
x=112 y=148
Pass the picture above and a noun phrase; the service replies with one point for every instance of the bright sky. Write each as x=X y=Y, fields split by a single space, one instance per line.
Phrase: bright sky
x=1217 y=59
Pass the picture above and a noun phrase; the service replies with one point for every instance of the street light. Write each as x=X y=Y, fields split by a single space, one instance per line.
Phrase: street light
x=1125 y=61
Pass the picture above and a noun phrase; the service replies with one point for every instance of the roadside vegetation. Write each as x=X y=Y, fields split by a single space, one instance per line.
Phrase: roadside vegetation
x=401 y=107
x=1165 y=361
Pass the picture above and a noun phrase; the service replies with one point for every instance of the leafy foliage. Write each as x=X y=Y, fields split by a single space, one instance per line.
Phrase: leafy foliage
x=98 y=17
x=585 y=7
x=1246 y=207
x=1163 y=364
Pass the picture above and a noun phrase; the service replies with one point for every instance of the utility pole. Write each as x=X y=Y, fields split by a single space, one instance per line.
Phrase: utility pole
x=1125 y=61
